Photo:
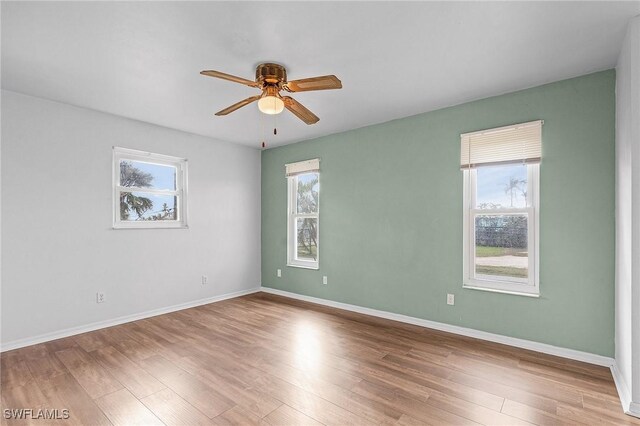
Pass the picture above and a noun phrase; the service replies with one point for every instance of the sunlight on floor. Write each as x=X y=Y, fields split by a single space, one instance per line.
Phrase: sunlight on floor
x=308 y=348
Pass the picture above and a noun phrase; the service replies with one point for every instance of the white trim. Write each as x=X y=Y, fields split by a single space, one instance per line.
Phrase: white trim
x=514 y=286
x=292 y=216
x=302 y=265
x=634 y=409
x=455 y=329
x=631 y=408
x=621 y=385
x=495 y=290
x=180 y=192
x=15 y=344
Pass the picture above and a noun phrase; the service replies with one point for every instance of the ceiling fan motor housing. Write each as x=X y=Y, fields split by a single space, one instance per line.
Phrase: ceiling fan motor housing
x=271 y=74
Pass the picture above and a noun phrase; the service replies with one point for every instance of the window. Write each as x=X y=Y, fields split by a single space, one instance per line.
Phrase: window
x=150 y=190
x=501 y=206
x=303 y=179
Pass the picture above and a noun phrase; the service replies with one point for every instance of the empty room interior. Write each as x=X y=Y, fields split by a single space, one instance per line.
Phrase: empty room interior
x=320 y=213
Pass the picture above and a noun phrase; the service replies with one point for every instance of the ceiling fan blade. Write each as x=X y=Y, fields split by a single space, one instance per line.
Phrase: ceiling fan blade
x=238 y=105
x=218 y=74
x=299 y=110
x=324 y=82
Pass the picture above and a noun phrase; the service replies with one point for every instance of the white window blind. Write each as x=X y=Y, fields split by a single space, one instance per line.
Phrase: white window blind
x=503 y=145
x=307 y=166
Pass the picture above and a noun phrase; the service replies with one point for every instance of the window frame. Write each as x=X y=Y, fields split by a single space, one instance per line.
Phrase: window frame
x=180 y=192
x=292 y=217
x=530 y=287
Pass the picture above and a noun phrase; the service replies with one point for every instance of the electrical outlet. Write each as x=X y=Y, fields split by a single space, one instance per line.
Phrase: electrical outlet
x=205 y=280
x=100 y=297
x=279 y=273
x=451 y=299
x=324 y=280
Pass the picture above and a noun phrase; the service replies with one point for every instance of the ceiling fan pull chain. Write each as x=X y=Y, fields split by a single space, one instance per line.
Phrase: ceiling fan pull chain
x=261 y=132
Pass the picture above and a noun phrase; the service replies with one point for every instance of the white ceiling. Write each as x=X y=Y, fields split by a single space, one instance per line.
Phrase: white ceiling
x=142 y=59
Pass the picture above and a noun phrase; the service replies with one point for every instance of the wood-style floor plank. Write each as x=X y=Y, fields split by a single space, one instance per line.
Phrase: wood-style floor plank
x=15 y=375
x=92 y=376
x=134 y=378
x=417 y=409
x=25 y=396
x=91 y=341
x=122 y=408
x=42 y=365
x=64 y=392
x=248 y=398
x=406 y=420
x=534 y=415
x=237 y=416
x=210 y=401
x=308 y=403
x=173 y=410
x=267 y=360
x=287 y=416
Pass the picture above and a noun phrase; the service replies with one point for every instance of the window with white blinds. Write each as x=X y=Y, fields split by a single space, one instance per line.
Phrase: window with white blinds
x=503 y=145
x=303 y=235
x=501 y=190
x=306 y=166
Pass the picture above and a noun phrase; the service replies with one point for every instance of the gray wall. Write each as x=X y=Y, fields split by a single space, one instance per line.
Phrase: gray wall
x=58 y=245
x=627 y=215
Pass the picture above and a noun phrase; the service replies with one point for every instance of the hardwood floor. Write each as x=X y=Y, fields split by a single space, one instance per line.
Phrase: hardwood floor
x=268 y=360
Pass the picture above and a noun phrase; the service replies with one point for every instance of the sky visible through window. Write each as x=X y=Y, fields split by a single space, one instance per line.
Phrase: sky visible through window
x=308 y=177
x=504 y=185
x=164 y=177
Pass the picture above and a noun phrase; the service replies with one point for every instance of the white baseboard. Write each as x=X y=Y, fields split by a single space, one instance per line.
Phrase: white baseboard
x=634 y=409
x=15 y=344
x=463 y=331
x=631 y=408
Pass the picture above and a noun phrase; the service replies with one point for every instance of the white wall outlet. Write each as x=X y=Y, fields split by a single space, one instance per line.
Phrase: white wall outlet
x=205 y=280
x=279 y=273
x=451 y=299
x=324 y=280
x=100 y=297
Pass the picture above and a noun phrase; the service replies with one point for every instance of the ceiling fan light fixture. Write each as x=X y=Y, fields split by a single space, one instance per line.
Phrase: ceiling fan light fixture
x=270 y=102
x=270 y=105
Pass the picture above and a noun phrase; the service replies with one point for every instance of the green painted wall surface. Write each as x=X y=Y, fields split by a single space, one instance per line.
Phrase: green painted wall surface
x=391 y=216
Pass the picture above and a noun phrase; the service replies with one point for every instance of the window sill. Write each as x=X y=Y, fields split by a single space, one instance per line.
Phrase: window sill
x=303 y=266
x=120 y=227
x=495 y=290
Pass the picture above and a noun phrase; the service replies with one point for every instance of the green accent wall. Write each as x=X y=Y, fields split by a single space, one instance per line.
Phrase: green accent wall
x=391 y=216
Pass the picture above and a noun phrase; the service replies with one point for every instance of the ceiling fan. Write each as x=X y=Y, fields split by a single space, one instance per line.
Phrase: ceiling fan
x=272 y=79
